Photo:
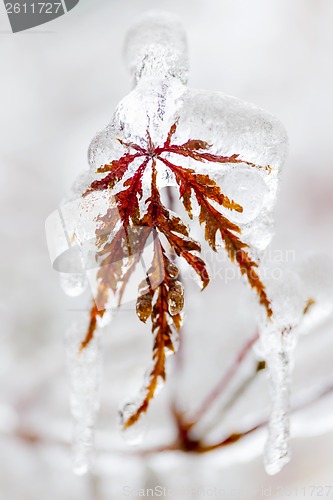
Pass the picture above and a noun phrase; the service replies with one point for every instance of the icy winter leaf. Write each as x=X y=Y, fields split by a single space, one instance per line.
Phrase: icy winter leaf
x=120 y=253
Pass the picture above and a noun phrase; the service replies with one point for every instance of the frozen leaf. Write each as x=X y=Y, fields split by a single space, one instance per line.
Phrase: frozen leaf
x=165 y=134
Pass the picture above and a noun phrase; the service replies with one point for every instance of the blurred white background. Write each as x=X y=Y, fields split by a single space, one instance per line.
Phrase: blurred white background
x=59 y=84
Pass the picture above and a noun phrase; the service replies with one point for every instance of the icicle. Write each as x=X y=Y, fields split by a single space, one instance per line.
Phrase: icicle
x=278 y=339
x=84 y=370
x=316 y=274
x=277 y=449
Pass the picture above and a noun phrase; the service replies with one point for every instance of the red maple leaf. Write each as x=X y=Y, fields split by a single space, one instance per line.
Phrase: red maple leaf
x=163 y=297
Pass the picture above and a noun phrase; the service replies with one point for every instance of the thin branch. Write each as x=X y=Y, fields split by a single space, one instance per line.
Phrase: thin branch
x=235 y=396
x=224 y=381
x=197 y=447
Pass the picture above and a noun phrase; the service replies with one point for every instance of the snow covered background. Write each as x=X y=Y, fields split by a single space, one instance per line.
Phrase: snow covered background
x=59 y=84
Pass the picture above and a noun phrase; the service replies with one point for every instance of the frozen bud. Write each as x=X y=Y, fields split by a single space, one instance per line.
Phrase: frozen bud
x=144 y=306
x=176 y=298
x=172 y=271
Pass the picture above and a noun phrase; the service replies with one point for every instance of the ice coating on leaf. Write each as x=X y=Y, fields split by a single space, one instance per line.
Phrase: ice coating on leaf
x=259 y=232
x=91 y=207
x=104 y=148
x=229 y=125
x=232 y=125
x=75 y=247
x=249 y=189
x=84 y=371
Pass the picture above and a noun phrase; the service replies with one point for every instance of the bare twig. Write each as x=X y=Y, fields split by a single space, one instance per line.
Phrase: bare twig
x=223 y=382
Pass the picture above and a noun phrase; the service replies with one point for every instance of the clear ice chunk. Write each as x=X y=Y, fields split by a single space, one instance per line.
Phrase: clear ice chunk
x=156 y=53
x=249 y=189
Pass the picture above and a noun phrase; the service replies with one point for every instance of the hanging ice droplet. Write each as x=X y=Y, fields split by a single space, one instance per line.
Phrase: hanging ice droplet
x=73 y=284
x=176 y=298
x=84 y=369
x=144 y=306
x=133 y=435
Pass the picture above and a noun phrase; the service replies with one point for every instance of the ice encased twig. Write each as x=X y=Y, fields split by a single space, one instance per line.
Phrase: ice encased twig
x=156 y=45
x=84 y=371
